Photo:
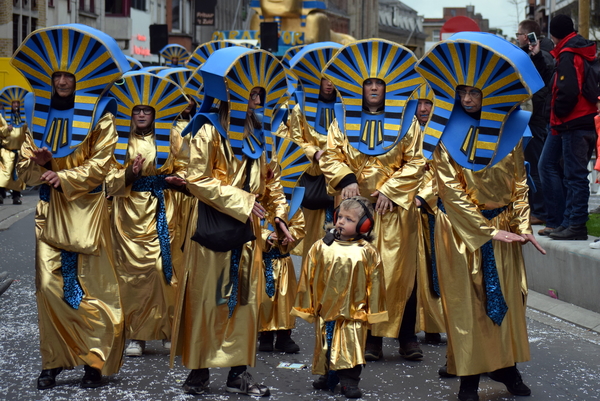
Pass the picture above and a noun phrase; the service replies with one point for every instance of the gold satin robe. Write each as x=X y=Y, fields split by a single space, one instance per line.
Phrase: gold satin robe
x=184 y=203
x=475 y=343
x=312 y=142
x=274 y=312
x=10 y=140
x=148 y=300
x=343 y=282
x=397 y=174
x=430 y=315
x=77 y=221
x=202 y=331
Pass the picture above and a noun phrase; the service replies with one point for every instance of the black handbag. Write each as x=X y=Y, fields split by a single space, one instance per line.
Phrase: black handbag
x=315 y=192
x=220 y=232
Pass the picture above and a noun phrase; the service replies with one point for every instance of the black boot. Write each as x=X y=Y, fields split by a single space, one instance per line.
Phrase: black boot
x=16 y=198
x=575 y=232
x=47 y=378
x=92 y=377
x=511 y=378
x=468 y=388
x=374 y=348
x=265 y=341
x=285 y=343
x=197 y=382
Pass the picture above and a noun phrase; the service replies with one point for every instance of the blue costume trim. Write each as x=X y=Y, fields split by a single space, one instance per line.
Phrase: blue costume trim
x=234 y=272
x=332 y=377
x=156 y=184
x=495 y=306
x=329 y=215
x=72 y=290
x=268 y=257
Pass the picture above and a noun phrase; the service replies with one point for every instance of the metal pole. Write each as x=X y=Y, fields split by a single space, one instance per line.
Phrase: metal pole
x=236 y=14
x=584 y=18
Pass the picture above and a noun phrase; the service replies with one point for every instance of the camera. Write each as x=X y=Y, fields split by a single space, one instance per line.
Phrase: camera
x=532 y=38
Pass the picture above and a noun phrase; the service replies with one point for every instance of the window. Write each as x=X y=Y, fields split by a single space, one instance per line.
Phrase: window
x=435 y=36
x=117 y=8
x=139 y=4
x=33 y=24
x=16 y=41
x=176 y=15
x=24 y=27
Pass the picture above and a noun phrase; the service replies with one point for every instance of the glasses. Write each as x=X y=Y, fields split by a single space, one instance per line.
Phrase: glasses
x=519 y=34
x=254 y=95
x=475 y=94
x=146 y=112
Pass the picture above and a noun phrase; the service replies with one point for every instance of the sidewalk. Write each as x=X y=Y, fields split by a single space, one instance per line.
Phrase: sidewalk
x=9 y=213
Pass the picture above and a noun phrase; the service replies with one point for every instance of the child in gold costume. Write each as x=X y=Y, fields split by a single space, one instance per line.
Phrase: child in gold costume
x=342 y=291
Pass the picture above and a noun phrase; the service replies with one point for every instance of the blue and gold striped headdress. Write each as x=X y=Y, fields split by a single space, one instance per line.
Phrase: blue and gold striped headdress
x=423 y=92
x=229 y=75
x=292 y=79
x=143 y=89
x=135 y=64
x=505 y=75
x=9 y=95
x=203 y=52
x=181 y=76
x=95 y=60
x=291 y=157
x=385 y=60
x=307 y=65
x=170 y=52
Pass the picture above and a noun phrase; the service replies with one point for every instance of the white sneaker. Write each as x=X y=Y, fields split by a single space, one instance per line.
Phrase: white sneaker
x=166 y=344
x=595 y=244
x=135 y=348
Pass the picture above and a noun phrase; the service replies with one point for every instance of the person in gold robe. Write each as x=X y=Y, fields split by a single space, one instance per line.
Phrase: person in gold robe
x=308 y=125
x=374 y=154
x=342 y=291
x=216 y=320
x=483 y=216
x=79 y=308
x=143 y=210
x=12 y=135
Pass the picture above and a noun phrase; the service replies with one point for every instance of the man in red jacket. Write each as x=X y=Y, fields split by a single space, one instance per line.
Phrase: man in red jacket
x=572 y=117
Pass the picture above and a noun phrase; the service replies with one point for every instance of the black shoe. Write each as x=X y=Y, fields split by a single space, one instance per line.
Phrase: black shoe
x=265 y=341
x=468 y=395
x=285 y=343
x=443 y=372
x=321 y=383
x=411 y=351
x=92 y=377
x=433 y=338
x=351 y=391
x=575 y=232
x=245 y=384
x=47 y=378
x=373 y=352
x=511 y=378
x=1 y=200
x=197 y=382
x=17 y=201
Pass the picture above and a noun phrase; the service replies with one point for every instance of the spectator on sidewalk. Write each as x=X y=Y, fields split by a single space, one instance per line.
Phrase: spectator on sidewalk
x=572 y=117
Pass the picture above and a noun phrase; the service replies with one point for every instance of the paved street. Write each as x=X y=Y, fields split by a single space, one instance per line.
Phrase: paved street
x=565 y=363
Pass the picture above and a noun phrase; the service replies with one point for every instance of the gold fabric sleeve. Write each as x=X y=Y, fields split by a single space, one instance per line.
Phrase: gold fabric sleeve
x=310 y=140
x=334 y=162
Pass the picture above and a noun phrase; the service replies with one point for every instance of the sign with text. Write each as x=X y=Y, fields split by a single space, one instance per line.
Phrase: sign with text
x=205 y=12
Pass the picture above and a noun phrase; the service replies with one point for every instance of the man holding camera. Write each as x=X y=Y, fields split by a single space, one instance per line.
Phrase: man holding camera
x=530 y=41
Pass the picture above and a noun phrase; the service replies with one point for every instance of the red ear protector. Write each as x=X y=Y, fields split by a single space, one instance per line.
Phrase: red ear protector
x=366 y=222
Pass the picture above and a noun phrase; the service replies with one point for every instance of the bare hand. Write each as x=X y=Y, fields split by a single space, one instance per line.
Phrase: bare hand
x=350 y=190
x=507 y=236
x=10 y=128
x=531 y=238
x=383 y=204
x=318 y=155
x=175 y=181
x=41 y=156
x=286 y=233
x=418 y=202
x=535 y=49
x=138 y=163
x=258 y=210
x=272 y=238
x=51 y=178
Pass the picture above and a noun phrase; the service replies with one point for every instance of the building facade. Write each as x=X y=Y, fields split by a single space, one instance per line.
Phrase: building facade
x=401 y=24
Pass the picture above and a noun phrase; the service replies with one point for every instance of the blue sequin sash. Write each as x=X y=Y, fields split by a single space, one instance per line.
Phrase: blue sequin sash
x=268 y=257
x=329 y=215
x=72 y=291
x=156 y=184
x=332 y=377
x=234 y=270
x=496 y=307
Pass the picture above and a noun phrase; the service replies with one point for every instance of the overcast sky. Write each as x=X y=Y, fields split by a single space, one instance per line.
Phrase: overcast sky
x=501 y=13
